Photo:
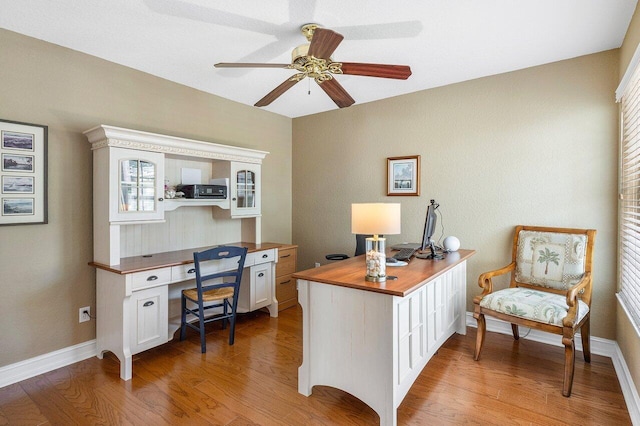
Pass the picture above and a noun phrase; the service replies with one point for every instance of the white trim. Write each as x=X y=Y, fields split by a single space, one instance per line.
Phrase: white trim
x=31 y=367
x=23 y=370
x=629 y=390
x=599 y=346
x=626 y=78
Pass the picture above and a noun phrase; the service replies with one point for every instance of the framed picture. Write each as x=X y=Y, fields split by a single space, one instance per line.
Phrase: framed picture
x=403 y=175
x=23 y=174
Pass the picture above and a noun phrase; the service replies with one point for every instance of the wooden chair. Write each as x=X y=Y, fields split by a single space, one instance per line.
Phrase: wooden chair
x=550 y=289
x=214 y=290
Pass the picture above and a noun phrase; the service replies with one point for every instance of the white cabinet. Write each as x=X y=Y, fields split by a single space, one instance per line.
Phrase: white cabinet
x=136 y=186
x=256 y=289
x=149 y=316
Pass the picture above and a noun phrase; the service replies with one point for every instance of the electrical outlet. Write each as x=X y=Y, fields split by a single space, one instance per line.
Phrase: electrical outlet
x=317 y=264
x=85 y=314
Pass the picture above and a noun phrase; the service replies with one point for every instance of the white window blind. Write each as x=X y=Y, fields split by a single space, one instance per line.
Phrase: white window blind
x=629 y=291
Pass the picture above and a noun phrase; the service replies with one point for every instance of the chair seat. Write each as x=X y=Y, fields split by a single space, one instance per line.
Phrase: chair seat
x=533 y=305
x=211 y=295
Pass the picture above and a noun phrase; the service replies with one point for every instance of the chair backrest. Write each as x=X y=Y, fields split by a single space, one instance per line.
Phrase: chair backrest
x=553 y=259
x=232 y=268
x=361 y=247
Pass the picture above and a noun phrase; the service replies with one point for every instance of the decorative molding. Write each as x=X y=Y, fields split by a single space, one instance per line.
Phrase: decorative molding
x=28 y=368
x=103 y=136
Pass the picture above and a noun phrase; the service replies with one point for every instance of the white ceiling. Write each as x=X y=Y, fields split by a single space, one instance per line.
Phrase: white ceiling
x=443 y=41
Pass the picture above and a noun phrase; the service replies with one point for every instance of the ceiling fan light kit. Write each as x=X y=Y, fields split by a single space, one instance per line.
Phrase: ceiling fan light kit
x=313 y=60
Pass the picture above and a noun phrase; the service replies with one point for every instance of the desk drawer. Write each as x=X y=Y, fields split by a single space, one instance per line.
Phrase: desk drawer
x=286 y=262
x=286 y=288
x=258 y=257
x=153 y=278
x=188 y=271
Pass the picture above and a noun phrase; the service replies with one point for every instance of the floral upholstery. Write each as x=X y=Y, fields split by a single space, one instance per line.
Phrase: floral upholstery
x=548 y=259
x=531 y=304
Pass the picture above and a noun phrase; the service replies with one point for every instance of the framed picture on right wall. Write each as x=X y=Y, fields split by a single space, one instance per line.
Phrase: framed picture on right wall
x=403 y=175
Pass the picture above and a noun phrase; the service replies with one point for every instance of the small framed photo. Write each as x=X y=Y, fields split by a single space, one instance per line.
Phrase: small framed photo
x=403 y=175
x=17 y=163
x=23 y=173
x=17 y=185
x=17 y=140
x=17 y=206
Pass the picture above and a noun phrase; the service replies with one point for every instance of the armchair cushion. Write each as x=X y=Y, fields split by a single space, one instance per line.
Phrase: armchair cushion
x=549 y=259
x=531 y=304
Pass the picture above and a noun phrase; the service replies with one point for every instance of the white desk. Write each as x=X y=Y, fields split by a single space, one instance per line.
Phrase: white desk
x=138 y=301
x=372 y=340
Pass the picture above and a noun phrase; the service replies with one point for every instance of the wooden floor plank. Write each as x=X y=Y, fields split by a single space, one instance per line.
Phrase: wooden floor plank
x=254 y=382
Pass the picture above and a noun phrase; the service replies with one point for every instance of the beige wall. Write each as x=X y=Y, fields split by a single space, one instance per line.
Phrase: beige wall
x=629 y=337
x=536 y=146
x=45 y=277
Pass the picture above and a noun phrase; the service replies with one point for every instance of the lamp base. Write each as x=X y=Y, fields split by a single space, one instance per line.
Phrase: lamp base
x=375 y=259
x=375 y=279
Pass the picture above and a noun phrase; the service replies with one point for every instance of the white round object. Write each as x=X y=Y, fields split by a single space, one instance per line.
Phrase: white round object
x=451 y=243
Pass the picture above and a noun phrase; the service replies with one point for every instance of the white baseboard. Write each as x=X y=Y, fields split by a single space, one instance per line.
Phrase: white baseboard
x=26 y=369
x=599 y=346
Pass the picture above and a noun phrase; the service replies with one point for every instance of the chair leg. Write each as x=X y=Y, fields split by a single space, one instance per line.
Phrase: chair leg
x=183 y=322
x=225 y=307
x=203 y=340
x=585 y=332
x=480 y=335
x=569 y=365
x=516 y=332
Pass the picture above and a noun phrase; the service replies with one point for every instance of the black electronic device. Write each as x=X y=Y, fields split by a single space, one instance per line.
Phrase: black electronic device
x=404 y=254
x=429 y=229
x=218 y=192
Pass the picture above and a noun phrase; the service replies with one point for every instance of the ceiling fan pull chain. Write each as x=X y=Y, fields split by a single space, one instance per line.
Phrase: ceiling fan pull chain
x=309 y=85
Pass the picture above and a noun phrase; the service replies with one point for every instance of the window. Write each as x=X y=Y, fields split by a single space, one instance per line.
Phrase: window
x=629 y=210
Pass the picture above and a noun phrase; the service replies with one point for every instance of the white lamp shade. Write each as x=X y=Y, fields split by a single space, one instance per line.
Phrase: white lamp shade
x=375 y=218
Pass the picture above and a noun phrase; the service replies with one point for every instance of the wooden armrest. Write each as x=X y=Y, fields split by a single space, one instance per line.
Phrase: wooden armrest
x=572 y=300
x=485 y=280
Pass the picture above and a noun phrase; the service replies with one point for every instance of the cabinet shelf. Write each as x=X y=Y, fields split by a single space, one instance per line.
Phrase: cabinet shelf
x=171 y=204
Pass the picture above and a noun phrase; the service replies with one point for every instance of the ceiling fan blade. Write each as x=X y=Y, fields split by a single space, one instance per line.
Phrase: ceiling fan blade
x=324 y=42
x=275 y=93
x=248 y=65
x=337 y=93
x=401 y=72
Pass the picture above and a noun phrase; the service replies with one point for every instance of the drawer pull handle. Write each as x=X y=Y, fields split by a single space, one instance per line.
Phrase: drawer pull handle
x=147 y=304
x=286 y=255
x=264 y=256
x=261 y=274
x=285 y=282
x=152 y=278
x=191 y=271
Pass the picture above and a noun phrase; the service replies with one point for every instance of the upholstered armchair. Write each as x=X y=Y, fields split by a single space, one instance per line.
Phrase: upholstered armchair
x=550 y=289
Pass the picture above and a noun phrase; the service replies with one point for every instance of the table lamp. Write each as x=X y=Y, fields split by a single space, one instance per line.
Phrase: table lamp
x=375 y=219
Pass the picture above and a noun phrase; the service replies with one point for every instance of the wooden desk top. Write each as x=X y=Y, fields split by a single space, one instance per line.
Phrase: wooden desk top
x=129 y=265
x=351 y=272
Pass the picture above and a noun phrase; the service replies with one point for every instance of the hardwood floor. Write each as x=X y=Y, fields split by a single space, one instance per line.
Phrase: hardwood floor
x=255 y=382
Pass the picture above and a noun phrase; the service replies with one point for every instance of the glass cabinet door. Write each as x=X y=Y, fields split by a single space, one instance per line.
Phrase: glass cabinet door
x=137 y=186
x=245 y=189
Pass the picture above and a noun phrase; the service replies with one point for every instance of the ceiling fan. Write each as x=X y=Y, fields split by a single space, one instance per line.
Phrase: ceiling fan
x=313 y=60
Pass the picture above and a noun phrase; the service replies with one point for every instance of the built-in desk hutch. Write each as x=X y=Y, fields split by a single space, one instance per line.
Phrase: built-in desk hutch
x=143 y=241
